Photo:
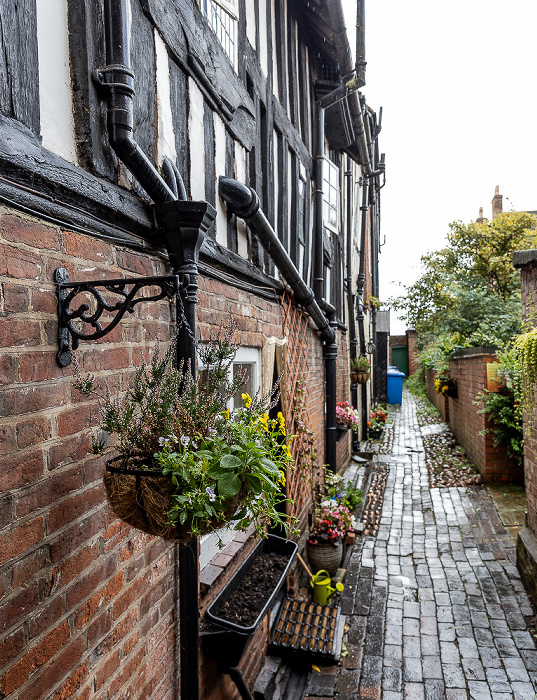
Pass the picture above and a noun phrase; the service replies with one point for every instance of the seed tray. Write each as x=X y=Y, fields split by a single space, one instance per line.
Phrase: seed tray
x=308 y=631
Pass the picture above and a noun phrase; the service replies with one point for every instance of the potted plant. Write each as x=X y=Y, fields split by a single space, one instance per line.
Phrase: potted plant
x=346 y=417
x=188 y=465
x=360 y=370
x=324 y=546
x=446 y=385
x=376 y=423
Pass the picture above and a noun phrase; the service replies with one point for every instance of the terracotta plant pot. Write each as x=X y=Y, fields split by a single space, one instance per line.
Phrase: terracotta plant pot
x=324 y=556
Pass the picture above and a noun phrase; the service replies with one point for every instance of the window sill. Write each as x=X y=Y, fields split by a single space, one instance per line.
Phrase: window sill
x=220 y=568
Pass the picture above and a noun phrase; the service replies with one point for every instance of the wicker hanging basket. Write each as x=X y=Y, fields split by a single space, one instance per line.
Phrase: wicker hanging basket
x=143 y=498
x=360 y=377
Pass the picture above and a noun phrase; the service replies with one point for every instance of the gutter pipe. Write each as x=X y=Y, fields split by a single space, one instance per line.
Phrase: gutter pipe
x=244 y=203
x=183 y=227
x=350 y=295
x=117 y=78
x=360 y=292
x=337 y=21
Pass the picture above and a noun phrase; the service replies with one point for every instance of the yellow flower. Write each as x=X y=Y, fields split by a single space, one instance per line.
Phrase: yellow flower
x=286 y=450
x=226 y=414
x=247 y=400
x=282 y=478
x=281 y=421
x=263 y=419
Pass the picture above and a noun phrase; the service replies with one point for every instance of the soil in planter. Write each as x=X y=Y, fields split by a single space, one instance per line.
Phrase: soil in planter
x=246 y=602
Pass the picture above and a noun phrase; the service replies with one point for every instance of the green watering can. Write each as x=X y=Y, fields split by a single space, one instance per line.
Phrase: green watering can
x=322 y=590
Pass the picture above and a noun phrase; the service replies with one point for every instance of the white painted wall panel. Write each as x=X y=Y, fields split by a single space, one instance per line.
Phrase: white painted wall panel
x=196 y=141
x=250 y=23
x=165 y=133
x=240 y=175
x=263 y=36
x=57 y=125
x=220 y=169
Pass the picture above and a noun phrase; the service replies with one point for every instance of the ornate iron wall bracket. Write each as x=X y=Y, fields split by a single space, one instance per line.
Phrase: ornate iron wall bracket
x=69 y=336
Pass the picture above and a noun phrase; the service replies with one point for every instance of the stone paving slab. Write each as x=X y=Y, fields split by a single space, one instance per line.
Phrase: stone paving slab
x=436 y=608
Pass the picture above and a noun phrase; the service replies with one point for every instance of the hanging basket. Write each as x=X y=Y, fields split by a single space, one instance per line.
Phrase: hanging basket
x=324 y=556
x=143 y=498
x=360 y=377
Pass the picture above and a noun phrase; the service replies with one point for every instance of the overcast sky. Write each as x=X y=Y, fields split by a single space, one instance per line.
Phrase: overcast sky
x=457 y=83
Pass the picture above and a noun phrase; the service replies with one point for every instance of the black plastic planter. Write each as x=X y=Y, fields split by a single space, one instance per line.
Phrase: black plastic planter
x=226 y=641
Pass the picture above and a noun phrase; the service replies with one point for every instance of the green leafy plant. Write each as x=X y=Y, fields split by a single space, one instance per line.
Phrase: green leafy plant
x=360 y=364
x=504 y=407
x=224 y=465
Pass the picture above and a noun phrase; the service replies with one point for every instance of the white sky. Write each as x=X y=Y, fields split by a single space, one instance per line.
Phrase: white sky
x=457 y=83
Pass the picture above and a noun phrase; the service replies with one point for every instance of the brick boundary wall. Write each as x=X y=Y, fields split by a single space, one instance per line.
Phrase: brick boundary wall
x=527 y=262
x=468 y=368
x=88 y=604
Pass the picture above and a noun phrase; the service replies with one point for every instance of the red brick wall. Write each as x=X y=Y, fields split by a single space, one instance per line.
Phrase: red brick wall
x=529 y=308
x=440 y=401
x=469 y=370
x=413 y=351
x=88 y=603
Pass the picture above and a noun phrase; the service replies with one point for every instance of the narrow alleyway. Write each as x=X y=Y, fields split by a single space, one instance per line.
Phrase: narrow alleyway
x=434 y=603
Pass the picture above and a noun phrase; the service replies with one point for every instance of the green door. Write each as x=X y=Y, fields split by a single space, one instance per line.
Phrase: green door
x=400 y=358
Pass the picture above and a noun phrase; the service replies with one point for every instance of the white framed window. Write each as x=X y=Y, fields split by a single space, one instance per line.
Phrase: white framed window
x=222 y=16
x=330 y=195
x=247 y=360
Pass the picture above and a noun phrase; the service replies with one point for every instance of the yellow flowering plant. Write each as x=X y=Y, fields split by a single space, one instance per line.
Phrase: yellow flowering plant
x=221 y=466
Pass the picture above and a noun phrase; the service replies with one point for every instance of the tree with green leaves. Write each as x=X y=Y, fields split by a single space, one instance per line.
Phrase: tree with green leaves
x=469 y=291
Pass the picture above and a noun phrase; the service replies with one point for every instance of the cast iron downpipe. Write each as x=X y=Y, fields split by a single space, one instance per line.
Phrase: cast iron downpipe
x=244 y=203
x=360 y=293
x=117 y=79
x=184 y=225
x=350 y=292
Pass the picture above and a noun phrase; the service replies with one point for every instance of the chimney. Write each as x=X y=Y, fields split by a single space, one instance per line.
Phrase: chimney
x=480 y=219
x=497 y=206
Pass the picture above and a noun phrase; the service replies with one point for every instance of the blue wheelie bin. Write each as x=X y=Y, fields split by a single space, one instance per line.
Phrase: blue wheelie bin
x=395 y=385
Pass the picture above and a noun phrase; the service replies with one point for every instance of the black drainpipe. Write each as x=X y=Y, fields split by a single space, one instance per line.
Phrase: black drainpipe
x=244 y=203
x=360 y=293
x=184 y=224
x=350 y=291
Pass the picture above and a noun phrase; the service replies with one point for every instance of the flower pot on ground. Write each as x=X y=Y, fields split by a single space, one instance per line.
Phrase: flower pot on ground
x=324 y=555
x=188 y=465
x=324 y=546
x=376 y=423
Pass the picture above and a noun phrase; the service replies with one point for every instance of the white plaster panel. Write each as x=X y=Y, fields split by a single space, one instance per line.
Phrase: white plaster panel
x=275 y=81
x=250 y=23
x=220 y=169
x=263 y=36
x=240 y=175
x=196 y=141
x=55 y=99
x=165 y=133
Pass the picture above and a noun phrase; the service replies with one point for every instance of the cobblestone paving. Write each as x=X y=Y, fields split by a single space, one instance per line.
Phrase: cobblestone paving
x=435 y=606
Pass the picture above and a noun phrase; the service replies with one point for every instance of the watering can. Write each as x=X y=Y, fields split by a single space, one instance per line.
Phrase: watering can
x=322 y=590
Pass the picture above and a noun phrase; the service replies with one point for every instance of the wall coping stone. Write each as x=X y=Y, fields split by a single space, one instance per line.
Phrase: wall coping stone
x=475 y=352
x=524 y=257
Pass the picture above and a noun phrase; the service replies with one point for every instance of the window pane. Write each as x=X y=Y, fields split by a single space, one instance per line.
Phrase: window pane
x=248 y=387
